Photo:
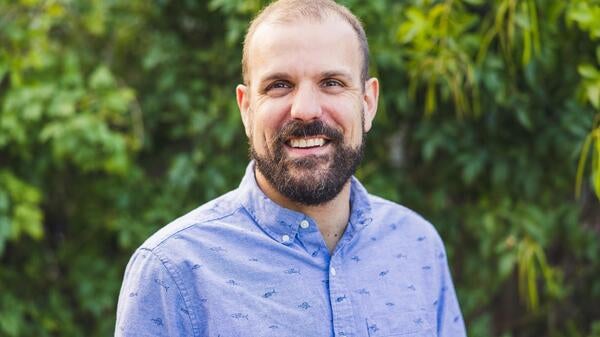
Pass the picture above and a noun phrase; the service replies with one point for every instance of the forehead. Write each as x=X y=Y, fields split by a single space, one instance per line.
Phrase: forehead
x=304 y=46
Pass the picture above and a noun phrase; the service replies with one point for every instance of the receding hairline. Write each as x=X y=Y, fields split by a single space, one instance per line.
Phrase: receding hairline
x=293 y=11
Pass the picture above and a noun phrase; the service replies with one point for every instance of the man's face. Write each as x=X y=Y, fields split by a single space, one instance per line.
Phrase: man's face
x=305 y=109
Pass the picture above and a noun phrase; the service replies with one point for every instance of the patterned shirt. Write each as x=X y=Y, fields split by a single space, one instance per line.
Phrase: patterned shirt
x=241 y=265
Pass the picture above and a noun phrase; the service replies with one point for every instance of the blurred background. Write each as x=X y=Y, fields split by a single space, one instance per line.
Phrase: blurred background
x=118 y=116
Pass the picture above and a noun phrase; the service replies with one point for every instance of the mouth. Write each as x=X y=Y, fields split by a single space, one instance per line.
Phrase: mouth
x=307 y=142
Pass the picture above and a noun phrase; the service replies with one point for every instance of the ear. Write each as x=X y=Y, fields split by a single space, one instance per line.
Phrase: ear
x=243 y=102
x=370 y=100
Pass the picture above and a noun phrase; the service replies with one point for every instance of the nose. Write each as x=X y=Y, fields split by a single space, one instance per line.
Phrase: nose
x=306 y=105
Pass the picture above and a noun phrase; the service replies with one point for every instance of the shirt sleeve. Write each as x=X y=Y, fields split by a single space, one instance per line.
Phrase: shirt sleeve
x=150 y=301
x=450 y=321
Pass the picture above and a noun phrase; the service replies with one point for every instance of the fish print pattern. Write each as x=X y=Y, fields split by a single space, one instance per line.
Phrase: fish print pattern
x=226 y=268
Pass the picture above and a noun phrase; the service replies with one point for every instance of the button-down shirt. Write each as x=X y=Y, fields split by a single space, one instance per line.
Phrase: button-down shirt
x=241 y=265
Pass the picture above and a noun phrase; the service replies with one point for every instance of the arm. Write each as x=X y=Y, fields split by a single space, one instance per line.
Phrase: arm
x=449 y=318
x=150 y=301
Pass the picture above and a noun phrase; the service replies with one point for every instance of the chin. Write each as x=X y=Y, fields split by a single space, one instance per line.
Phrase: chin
x=310 y=162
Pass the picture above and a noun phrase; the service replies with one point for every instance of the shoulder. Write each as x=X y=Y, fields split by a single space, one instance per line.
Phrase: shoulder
x=184 y=226
x=411 y=224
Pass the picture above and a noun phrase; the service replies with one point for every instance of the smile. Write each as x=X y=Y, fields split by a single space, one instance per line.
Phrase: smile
x=303 y=143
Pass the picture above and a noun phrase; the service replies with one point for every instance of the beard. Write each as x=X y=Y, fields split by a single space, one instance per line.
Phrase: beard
x=313 y=179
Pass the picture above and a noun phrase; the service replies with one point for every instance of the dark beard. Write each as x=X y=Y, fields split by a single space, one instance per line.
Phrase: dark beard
x=315 y=186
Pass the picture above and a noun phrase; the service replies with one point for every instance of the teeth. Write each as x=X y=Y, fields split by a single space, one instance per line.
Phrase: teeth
x=310 y=142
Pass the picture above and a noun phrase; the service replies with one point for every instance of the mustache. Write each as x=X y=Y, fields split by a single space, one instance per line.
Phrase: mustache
x=298 y=129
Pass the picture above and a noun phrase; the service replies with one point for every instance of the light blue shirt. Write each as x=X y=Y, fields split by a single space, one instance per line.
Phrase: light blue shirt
x=242 y=265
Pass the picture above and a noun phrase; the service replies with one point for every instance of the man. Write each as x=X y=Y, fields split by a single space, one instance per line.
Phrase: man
x=300 y=248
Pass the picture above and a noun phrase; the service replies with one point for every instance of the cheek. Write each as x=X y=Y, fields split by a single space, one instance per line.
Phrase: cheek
x=356 y=137
x=348 y=117
x=264 y=128
x=268 y=119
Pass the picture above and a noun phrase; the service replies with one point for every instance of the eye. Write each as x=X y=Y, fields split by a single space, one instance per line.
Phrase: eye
x=332 y=83
x=278 y=85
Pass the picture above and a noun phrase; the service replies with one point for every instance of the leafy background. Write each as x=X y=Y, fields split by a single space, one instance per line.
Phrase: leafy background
x=118 y=116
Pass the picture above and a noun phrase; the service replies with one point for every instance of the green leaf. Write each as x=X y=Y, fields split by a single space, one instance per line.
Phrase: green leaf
x=524 y=119
x=588 y=71
x=101 y=78
x=506 y=265
x=475 y=2
x=593 y=94
x=472 y=170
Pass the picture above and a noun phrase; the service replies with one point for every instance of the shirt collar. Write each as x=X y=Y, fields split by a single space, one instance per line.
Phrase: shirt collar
x=281 y=223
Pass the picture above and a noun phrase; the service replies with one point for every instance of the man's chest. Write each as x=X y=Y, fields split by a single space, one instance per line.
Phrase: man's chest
x=270 y=292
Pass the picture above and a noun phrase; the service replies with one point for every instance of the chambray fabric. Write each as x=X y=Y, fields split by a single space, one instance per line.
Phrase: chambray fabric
x=241 y=265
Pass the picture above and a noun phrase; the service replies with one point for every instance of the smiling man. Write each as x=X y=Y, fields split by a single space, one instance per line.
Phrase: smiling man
x=300 y=248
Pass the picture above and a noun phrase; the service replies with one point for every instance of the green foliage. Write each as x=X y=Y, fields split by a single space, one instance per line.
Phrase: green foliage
x=116 y=117
x=19 y=210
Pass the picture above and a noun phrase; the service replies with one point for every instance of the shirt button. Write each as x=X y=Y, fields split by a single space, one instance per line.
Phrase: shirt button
x=285 y=238
x=332 y=270
x=304 y=224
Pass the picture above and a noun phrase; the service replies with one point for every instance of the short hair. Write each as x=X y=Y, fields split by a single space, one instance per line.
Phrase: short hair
x=286 y=11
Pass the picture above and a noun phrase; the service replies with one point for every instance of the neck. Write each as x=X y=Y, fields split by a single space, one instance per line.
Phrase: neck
x=331 y=217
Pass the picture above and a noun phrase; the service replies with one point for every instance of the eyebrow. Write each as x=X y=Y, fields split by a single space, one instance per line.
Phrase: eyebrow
x=326 y=74
x=337 y=73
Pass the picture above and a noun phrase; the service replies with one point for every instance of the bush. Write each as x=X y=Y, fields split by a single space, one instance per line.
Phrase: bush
x=115 y=117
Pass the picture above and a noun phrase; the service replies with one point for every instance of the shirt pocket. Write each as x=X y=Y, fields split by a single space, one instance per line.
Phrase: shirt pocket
x=405 y=324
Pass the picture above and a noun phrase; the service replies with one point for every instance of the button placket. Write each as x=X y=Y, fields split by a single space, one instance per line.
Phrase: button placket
x=341 y=307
